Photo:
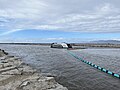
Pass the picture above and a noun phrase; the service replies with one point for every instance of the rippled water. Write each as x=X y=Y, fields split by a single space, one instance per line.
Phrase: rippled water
x=70 y=72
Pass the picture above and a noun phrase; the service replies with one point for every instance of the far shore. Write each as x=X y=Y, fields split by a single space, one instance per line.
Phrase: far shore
x=85 y=45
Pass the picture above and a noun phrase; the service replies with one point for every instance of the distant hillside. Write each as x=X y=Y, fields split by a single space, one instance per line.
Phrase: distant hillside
x=106 y=41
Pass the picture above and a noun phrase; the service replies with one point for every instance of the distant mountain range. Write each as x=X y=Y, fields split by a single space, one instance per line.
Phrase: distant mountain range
x=107 y=41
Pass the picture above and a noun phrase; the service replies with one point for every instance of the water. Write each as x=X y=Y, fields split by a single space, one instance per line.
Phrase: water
x=70 y=72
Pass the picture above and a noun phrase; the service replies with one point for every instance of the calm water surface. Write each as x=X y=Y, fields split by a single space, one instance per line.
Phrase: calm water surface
x=69 y=72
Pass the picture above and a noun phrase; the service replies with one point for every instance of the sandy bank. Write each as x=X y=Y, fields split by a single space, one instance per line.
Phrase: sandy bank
x=15 y=75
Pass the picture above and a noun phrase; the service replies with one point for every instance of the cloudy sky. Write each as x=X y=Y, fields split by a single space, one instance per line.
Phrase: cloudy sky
x=59 y=20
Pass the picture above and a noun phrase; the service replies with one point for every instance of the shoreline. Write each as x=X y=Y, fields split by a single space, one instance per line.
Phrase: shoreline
x=16 y=75
x=75 y=45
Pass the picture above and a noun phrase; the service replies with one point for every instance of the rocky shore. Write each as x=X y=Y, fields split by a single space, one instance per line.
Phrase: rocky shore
x=15 y=75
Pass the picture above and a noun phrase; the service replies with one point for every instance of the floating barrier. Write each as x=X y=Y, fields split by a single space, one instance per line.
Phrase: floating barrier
x=95 y=66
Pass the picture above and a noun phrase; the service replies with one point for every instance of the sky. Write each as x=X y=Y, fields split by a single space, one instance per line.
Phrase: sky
x=59 y=20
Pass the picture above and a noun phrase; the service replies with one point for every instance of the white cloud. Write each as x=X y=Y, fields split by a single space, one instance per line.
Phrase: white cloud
x=107 y=8
x=74 y=15
x=21 y=9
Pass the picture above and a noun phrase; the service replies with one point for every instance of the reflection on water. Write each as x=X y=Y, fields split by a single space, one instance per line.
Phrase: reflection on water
x=67 y=70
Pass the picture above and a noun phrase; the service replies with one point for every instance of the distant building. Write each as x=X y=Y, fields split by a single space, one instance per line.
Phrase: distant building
x=60 y=45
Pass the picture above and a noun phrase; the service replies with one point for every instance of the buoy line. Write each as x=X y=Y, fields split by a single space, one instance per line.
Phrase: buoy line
x=95 y=66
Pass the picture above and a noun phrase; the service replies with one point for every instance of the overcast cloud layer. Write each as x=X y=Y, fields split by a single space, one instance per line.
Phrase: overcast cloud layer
x=65 y=15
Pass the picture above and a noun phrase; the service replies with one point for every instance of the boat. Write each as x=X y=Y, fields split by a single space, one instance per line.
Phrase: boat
x=61 y=45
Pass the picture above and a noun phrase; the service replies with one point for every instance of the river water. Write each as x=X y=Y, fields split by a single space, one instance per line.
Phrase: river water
x=68 y=71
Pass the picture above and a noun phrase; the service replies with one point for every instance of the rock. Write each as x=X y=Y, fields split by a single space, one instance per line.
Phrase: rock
x=49 y=75
x=59 y=87
x=4 y=79
x=1 y=66
x=15 y=75
x=12 y=72
x=25 y=70
x=24 y=83
x=6 y=65
x=7 y=69
x=3 y=52
x=3 y=58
